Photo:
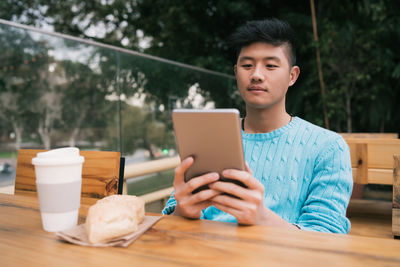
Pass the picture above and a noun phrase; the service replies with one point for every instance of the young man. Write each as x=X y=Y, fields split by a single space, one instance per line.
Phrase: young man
x=298 y=174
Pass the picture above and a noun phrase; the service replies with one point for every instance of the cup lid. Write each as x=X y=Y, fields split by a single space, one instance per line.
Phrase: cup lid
x=62 y=156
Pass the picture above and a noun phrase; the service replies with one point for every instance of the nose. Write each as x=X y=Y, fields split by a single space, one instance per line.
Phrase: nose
x=257 y=75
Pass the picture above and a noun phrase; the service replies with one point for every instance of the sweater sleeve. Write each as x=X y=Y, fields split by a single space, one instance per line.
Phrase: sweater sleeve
x=170 y=205
x=329 y=192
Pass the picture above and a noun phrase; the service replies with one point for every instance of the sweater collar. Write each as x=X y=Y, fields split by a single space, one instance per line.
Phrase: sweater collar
x=276 y=133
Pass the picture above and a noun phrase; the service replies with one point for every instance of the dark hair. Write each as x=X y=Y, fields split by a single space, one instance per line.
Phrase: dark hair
x=272 y=31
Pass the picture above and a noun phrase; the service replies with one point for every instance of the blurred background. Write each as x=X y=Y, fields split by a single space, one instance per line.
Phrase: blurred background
x=106 y=74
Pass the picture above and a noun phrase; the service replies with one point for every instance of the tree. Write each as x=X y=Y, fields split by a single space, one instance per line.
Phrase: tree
x=142 y=130
x=357 y=42
x=360 y=62
x=21 y=81
x=84 y=94
x=183 y=32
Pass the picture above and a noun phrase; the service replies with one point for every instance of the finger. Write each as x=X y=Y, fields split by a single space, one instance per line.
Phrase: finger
x=193 y=212
x=230 y=188
x=229 y=201
x=248 y=195
x=240 y=215
x=203 y=205
x=197 y=182
x=181 y=169
x=234 y=212
x=203 y=195
x=248 y=168
x=244 y=177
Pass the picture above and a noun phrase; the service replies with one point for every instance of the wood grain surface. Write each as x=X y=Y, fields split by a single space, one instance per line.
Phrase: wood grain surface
x=370 y=135
x=396 y=196
x=175 y=241
x=100 y=173
x=380 y=151
x=372 y=159
x=396 y=181
x=362 y=163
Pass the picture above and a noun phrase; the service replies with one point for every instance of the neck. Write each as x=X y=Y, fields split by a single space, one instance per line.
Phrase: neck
x=265 y=121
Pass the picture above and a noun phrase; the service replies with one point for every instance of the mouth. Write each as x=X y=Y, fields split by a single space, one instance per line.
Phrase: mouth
x=256 y=89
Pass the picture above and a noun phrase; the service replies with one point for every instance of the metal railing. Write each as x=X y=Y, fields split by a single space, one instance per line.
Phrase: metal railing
x=139 y=169
x=115 y=48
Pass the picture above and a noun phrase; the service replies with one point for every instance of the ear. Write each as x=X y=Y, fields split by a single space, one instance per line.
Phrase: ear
x=294 y=74
x=235 y=69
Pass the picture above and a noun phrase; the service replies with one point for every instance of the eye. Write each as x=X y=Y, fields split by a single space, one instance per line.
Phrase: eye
x=270 y=66
x=246 y=66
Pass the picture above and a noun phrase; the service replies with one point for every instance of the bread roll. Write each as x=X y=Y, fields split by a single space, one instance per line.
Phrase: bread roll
x=134 y=202
x=114 y=216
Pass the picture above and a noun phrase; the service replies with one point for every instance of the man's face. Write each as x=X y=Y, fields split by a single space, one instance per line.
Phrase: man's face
x=263 y=75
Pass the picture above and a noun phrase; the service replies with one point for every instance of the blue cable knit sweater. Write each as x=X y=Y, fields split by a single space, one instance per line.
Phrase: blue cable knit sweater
x=306 y=172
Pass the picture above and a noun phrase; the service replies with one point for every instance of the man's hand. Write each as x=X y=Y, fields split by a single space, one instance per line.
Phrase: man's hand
x=249 y=207
x=190 y=205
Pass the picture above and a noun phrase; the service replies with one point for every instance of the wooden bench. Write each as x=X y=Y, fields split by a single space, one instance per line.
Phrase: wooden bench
x=373 y=162
x=372 y=159
x=358 y=189
x=396 y=196
x=370 y=135
x=102 y=173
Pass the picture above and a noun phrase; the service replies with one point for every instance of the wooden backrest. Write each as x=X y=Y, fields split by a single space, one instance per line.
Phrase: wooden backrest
x=370 y=135
x=100 y=173
x=372 y=159
x=396 y=196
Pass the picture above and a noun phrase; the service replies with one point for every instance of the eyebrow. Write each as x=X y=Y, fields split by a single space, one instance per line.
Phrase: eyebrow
x=266 y=58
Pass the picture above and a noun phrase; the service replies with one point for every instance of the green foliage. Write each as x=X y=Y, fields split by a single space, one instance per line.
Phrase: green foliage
x=358 y=41
x=360 y=59
x=141 y=129
x=20 y=85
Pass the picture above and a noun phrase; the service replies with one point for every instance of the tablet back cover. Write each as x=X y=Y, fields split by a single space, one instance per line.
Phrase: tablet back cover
x=212 y=137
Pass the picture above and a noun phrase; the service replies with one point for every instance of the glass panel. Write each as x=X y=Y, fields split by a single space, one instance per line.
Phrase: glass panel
x=54 y=92
x=150 y=90
x=150 y=183
x=57 y=91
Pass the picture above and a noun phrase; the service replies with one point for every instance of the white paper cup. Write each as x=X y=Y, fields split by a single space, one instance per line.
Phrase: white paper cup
x=58 y=183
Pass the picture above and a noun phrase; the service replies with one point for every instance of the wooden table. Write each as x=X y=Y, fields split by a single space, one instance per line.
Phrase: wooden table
x=178 y=241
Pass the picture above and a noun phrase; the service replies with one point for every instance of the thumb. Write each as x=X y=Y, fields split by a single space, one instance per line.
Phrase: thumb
x=248 y=168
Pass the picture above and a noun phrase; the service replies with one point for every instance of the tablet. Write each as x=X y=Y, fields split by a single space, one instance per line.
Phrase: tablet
x=212 y=137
